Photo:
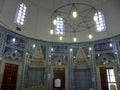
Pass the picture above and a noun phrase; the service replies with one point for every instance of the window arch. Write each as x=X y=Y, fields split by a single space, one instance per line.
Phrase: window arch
x=20 y=14
x=59 y=26
x=99 y=22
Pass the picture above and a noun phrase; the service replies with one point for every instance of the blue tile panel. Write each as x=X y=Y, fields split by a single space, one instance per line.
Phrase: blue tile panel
x=104 y=46
x=35 y=76
x=11 y=54
x=19 y=43
x=82 y=79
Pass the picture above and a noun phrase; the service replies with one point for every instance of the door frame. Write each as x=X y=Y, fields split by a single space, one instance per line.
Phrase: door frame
x=113 y=65
x=66 y=75
x=19 y=73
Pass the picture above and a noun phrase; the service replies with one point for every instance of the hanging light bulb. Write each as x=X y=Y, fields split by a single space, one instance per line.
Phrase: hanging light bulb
x=54 y=22
x=90 y=48
x=52 y=49
x=95 y=18
x=61 y=38
x=13 y=40
x=74 y=14
x=51 y=31
x=74 y=39
x=71 y=49
x=90 y=36
x=110 y=44
x=33 y=45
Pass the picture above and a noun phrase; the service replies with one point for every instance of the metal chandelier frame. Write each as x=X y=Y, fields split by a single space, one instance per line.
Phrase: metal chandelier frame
x=83 y=22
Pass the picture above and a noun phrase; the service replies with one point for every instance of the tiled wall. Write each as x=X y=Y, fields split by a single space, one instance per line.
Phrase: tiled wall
x=82 y=79
x=35 y=76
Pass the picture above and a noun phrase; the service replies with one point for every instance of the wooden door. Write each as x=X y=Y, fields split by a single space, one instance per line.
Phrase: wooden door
x=59 y=73
x=103 y=75
x=9 y=77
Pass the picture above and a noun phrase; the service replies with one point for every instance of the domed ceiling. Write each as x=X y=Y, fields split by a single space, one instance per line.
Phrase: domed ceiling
x=38 y=19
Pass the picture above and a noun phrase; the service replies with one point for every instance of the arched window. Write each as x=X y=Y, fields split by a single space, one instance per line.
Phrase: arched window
x=59 y=26
x=20 y=14
x=99 y=22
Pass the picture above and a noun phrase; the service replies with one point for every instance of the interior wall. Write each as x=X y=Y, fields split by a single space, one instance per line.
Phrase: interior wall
x=111 y=13
x=38 y=18
x=100 y=51
x=9 y=7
